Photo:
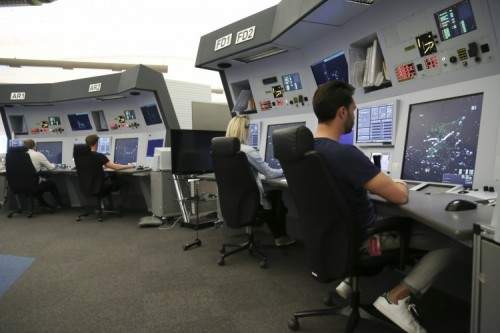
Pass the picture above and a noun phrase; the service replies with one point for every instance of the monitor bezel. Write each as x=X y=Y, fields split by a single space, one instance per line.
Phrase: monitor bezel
x=80 y=114
x=403 y=161
x=395 y=112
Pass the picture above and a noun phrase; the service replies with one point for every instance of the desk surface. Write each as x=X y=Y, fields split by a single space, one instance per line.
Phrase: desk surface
x=429 y=210
x=134 y=171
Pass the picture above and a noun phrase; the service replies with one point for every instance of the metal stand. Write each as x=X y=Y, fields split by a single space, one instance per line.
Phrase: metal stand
x=195 y=202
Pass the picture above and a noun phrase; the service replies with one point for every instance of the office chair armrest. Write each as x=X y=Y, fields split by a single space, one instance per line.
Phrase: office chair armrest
x=402 y=226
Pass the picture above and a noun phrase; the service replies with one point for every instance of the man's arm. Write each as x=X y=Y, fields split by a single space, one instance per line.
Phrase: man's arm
x=393 y=191
x=116 y=166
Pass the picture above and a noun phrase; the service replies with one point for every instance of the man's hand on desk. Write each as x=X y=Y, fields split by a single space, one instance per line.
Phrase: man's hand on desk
x=117 y=167
x=395 y=191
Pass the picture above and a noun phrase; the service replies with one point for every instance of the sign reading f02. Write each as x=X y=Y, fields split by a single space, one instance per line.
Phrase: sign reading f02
x=223 y=42
x=93 y=87
x=245 y=35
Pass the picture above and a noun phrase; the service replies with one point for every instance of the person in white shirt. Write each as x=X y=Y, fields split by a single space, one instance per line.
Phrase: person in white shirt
x=41 y=163
x=273 y=211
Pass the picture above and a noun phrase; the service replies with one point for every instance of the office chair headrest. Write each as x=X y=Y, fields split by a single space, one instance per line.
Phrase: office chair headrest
x=223 y=146
x=292 y=143
x=19 y=149
x=80 y=149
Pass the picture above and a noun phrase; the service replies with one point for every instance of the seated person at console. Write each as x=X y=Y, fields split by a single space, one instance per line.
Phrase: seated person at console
x=273 y=211
x=41 y=163
x=334 y=107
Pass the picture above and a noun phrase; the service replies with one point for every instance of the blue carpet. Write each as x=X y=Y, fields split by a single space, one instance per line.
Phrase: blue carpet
x=11 y=269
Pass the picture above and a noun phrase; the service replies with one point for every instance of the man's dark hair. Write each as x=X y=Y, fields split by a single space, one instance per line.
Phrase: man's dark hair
x=91 y=140
x=29 y=143
x=329 y=97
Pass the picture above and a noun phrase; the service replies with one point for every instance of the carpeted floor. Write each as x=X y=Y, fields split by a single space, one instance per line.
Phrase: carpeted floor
x=115 y=277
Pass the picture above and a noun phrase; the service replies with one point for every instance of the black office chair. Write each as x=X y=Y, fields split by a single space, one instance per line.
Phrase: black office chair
x=22 y=178
x=92 y=181
x=331 y=235
x=238 y=194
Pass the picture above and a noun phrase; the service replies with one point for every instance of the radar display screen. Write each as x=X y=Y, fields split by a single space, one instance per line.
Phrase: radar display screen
x=331 y=68
x=455 y=20
x=441 y=140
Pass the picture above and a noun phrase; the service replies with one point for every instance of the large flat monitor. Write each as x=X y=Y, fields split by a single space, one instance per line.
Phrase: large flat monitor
x=331 y=68
x=79 y=121
x=191 y=151
x=269 y=156
x=51 y=150
x=376 y=124
x=441 y=140
x=126 y=150
x=151 y=114
x=104 y=145
x=152 y=144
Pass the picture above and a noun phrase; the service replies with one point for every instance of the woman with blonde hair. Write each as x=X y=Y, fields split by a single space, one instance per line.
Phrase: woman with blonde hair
x=273 y=211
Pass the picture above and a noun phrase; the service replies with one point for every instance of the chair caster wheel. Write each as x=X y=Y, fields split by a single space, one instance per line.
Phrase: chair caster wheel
x=78 y=219
x=185 y=247
x=263 y=264
x=293 y=324
x=221 y=262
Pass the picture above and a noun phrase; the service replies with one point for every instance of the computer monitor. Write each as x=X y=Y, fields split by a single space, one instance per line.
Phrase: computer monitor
x=191 y=151
x=15 y=143
x=254 y=134
x=126 y=150
x=269 y=156
x=376 y=124
x=79 y=121
x=455 y=20
x=151 y=114
x=152 y=144
x=51 y=150
x=292 y=82
x=331 y=68
x=104 y=145
x=441 y=140
x=347 y=139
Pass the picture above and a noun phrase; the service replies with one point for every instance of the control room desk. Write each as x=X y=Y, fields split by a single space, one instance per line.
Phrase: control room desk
x=428 y=209
x=70 y=181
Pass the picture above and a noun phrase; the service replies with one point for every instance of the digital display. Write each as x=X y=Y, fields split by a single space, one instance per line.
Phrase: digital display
x=253 y=135
x=455 y=20
x=374 y=124
x=104 y=145
x=51 y=150
x=291 y=82
x=16 y=143
x=269 y=157
x=331 y=68
x=129 y=114
x=151 y=114
x=277 y=91
x=126 y=150
x=79 y=122
x=54 y=121
x=405 y=72
x=426 y=44
x=441 y=140
x=152 y=144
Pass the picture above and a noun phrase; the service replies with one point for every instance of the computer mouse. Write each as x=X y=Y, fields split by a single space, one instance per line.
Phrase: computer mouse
x=460 y=205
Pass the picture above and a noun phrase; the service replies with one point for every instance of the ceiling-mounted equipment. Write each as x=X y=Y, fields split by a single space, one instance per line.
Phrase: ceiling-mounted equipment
x=274 y=50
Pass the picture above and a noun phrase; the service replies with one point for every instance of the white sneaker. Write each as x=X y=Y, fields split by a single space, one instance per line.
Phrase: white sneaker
x=344 y=289
x=400 y=314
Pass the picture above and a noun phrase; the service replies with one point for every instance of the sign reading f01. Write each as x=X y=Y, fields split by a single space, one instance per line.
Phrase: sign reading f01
x=223 y=42
x=245 y=35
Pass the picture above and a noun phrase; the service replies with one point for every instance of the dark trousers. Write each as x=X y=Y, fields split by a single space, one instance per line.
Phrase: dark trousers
x=275 y=217
x=47 y=186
